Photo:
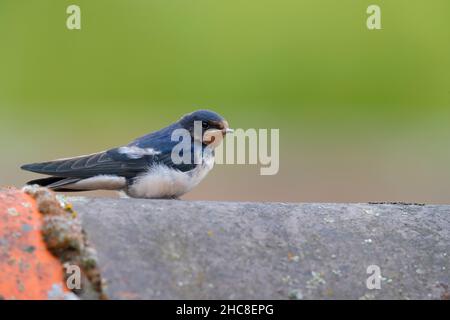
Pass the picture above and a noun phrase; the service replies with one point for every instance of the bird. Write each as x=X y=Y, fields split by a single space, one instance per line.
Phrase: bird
x=146 y=167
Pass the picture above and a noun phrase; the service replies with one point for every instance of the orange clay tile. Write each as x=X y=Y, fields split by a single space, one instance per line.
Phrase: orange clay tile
x=27 y=269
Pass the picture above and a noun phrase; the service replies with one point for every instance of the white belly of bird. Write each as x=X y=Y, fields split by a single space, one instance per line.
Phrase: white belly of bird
x=163 y=182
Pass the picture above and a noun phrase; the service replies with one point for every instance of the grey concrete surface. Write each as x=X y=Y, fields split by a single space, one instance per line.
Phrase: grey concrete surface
x=173 y=249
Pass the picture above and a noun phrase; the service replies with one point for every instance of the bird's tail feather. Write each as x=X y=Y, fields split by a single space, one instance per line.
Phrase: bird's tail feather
x=55 y=183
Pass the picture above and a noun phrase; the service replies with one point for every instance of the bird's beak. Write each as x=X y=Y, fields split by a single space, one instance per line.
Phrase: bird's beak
x=227 y=130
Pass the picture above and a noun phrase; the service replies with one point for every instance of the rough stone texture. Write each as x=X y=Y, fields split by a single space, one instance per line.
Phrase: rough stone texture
x=172 y=249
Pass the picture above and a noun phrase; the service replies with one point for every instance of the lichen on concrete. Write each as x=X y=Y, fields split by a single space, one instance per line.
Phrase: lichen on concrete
x=65 y=238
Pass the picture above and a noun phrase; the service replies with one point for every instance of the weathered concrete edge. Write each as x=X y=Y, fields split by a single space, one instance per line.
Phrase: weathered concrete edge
x=297 y=250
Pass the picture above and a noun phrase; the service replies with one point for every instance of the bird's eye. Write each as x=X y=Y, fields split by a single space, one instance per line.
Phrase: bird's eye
x=205 y=125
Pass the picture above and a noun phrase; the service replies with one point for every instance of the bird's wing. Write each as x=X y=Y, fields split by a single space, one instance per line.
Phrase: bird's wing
x=127 y=161
x=85 y=166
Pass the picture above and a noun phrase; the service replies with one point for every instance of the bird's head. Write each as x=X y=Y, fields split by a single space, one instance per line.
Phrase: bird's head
x=206 y=126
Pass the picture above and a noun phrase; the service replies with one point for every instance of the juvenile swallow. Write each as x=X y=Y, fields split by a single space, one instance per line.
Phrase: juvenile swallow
x=144 y=168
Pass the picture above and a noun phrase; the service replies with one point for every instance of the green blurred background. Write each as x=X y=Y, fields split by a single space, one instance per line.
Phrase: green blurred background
x=363 y=115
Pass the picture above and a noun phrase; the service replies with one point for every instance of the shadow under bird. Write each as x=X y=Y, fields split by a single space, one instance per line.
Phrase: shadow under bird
x=144 y=168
